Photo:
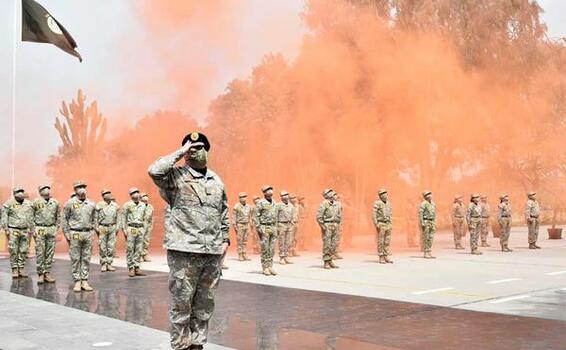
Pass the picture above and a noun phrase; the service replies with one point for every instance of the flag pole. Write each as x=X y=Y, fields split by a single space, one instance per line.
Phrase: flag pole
x=14 y=45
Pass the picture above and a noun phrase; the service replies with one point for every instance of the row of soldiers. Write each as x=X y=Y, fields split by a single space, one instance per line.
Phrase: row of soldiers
x=80 y=221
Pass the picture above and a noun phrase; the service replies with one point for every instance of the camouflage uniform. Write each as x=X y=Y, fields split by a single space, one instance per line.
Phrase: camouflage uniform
x=133 y=223
x=78 y=226
x=148 y=229
x=294 y=230
x=382 y=220
x=458 y=223
x=285 y=214
x=241 y=222
x=196 y=227
x=339 y=233
x=18 y=221
x=106 y=226
x=532 y=213
x=473 y=217
x=253 y=236
x=504 y=219
x=329 y=217
x=47 y=218
x=427 y=220
x=266 y=223
x=484 y=223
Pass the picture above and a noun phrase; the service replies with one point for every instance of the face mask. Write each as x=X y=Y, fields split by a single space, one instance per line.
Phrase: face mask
x=81 y=192
x=19 y=196
x=198 y=158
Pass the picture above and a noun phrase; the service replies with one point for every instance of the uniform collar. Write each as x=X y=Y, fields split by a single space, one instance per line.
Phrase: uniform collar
x=209 y=173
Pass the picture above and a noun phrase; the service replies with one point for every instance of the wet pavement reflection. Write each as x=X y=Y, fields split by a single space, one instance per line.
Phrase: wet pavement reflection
x=252 y=316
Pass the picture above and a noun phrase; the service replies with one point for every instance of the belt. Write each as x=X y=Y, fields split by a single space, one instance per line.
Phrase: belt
x=485 y=217
x=458 y=217
x=332 y=222
x=17 y=228
x=107 y=225
x=428 y=219
x=44 y=225
x=284 y=222
x=505 y=216
x=243 y=223
x=81 y=229
x=135 y=225
x=533 y=217
x=266 y=224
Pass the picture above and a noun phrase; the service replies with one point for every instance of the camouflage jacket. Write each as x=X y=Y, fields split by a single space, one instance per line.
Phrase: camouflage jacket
x=265 y=212
x=474 y=212
x=149 y=215
x=485 y=210
x=78 y=215
x=46 y=213
x=381 y=212
x=241 y=214
x=295 y=214
x=504 y=210
x=106 y=214
x=197 y=221
x=16 y=215
x=329 y=212
x=285 y=212
x=133 y=215
x=458 y=211
x=427 y=212
x=532 y=210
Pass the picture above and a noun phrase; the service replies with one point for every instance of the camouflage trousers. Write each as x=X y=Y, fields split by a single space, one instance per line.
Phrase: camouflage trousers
x=329 y=240
x=242 y=233
x=428 y=231
x=146 y=240
x=285 y=237
x=80 y=253
x=533 y=230
x=268 y=235
x=44 y=248
x=18 y=246
x=474 y=227
x=459 y=230
x=193 y=279
x=505 y=225
x=107 y=244
x=294 y=231
x=134 y=246
x=484 y=229
x=383 y=231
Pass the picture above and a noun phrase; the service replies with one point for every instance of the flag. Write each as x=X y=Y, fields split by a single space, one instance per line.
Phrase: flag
x=40 y=27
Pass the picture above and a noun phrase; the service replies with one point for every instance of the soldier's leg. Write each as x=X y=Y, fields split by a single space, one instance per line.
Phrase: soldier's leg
x=146 y=239
x=334 y=237
x=264 y=241
x=245 y=235
x=474 y=235
x=455 y=232
x=536 y=229
x=282 y=238
x=110 y=246
x=139 y=249
x=289 y=241
x=239 y=240
x=387 y=241
x=75 y=255
x=531 y=228
x=184 y=270
x=272 y=243
x=86 y=252
x=379 y=240
x=49 y=249
x=326 y=244
x=39 y=237
x=203 y=301
x=130 y=246
x=13 y=247
x=23 y=249
x=426 y=238
x=338 y=239
x=484 y=231
x=103 y=245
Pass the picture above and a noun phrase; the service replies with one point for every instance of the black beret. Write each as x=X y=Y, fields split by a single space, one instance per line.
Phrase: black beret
x=195 y=137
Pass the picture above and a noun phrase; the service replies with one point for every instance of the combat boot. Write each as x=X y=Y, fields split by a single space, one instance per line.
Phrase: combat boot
x=266 y=272
x=132 y=273
x=507 y=249
x=476 y=252
x=288 y=261
x=103 y=268
x=246 y=258
x=387 y=260
x=337 y=256
x=146 y=259
x=382 y=260
x=137 y=272
x=333 y=265
x=48 y=278
x=85 y=286
x=15 y=273
x=429 y=256
x=41 y=279
x=110 y=268
x=241 y=258
x=532 y=246
x=459 y=246
x=22 y=273
x=272 y=271
x=536 y=246
x=327 y=265
x=77 y=287
x=282 y=261
x=485 y=244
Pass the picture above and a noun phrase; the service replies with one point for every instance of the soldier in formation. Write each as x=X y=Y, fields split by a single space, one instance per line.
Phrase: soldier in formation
x=474 y=220
x=458 y=221
x=532 y=213
x=382 y=216
x=484 y=222
x=18 y=223
x=47 y=220
x=241 y=218
x=266 y=223
x=133 y=224
x=329 y=218
x=285 y=213
x=427 y=220
x=504 y=219
x=106 y=229
x=148 y=227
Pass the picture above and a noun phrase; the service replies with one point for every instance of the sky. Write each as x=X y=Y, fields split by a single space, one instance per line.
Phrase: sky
x=119 y=60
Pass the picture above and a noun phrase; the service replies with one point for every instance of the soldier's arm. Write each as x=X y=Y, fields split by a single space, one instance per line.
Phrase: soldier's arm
x=257 y=214
x=421 y=215
x=4 y=220
x=234 y=214
x=66 y=215
x=224 y=219
x=162 y=170
x=57 y=216
x=375 y=212
x=320 y=214
x=527 y=212
x=96 y=216
x=122 y=217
